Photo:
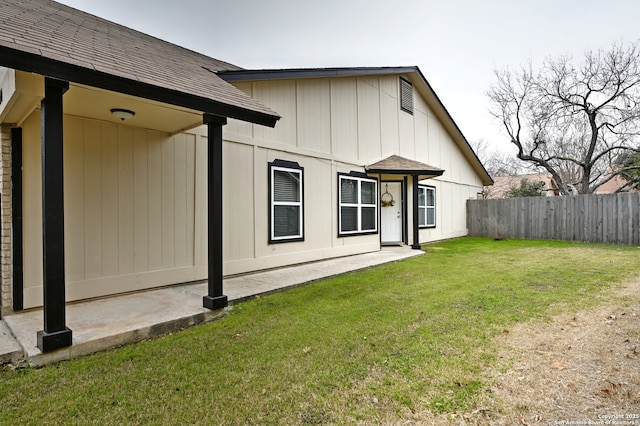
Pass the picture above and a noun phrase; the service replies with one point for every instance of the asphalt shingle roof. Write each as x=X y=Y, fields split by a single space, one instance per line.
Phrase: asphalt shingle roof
x=69 y=39
x=397 y=164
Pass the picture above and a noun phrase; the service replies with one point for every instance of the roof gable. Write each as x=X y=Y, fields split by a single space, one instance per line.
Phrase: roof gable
x=55 y=40
x=411 y=73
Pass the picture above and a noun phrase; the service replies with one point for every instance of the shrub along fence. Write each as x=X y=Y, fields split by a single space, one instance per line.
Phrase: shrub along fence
x=609 y=218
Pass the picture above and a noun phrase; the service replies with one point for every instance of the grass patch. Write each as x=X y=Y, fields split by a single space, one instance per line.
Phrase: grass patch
x=411 y=336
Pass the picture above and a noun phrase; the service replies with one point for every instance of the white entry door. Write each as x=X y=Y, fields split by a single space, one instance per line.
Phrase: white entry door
x=391 y=212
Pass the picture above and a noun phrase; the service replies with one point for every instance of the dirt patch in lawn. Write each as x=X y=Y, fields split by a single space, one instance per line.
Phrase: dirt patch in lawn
x=580 y=368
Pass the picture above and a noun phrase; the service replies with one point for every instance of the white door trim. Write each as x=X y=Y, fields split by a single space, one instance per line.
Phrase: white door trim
x=391 y=212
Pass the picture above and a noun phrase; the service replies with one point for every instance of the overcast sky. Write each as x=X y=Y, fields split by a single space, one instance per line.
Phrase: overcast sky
x=456 y=43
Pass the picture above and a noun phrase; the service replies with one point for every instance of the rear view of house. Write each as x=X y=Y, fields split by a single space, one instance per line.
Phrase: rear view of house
x=373 y=156
x=131 y=163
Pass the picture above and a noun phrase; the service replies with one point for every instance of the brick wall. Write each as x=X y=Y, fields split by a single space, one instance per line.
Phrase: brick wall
x=5 y=215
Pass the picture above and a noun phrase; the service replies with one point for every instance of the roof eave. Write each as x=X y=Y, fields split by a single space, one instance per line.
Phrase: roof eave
x=35 y=63
x=282 y=74
x=429 y=173
x=486 y=179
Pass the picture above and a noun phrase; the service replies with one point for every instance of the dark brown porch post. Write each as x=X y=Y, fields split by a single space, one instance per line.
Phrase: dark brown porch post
x=416 y=228
x=214 y=299
x=55 y=334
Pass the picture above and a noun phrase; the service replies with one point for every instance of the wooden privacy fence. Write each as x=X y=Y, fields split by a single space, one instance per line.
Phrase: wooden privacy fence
x=610 y=218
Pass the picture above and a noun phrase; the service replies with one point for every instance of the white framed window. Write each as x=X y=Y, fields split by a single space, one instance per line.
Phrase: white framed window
x=358 y=205
x=286 y=202
x=426 y=206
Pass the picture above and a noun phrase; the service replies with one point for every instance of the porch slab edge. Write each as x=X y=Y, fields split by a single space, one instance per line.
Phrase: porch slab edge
x=102 y=324
x=36 y=358
x=11 y=351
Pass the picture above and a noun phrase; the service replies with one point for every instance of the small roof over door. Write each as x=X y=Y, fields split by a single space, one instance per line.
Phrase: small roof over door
x=396 y=165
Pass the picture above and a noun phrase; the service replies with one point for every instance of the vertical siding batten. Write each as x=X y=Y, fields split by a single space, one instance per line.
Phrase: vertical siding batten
x=154 y=223
x=74 y=206
x=125 y=201
x=140 y=202
x=92 y=197
x=180 y=205
x=168 y=200
x=109 y=186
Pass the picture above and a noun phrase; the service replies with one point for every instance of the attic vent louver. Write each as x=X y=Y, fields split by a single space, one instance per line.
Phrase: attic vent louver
x=406 y=96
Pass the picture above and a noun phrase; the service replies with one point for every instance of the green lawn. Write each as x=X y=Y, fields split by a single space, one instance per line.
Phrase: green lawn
x=415 y=336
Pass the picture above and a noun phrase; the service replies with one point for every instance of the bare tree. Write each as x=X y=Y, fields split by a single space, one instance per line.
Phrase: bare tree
x=496 y=161
x=575 y=121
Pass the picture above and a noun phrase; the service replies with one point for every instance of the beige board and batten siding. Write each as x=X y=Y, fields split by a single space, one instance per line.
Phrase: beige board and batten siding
x=351 y=122
x=135 y=199
x=458 y=184
x=134 y=210
x=450 y=220
x=246 y=221
x=356 y=121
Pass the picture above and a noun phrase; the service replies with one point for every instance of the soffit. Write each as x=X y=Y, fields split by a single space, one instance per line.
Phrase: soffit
x=90 y=102
x=93 y=103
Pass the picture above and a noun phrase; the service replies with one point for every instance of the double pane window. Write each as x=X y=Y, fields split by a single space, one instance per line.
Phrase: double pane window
x=358 y=208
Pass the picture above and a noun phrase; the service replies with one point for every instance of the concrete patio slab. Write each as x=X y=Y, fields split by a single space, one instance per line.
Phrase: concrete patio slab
x=10 y=349
x=109 y=322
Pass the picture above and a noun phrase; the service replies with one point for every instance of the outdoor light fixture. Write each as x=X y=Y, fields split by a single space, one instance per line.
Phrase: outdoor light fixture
x=122 y=114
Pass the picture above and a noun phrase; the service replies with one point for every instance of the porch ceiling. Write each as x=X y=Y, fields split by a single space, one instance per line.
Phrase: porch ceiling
x=91 y=102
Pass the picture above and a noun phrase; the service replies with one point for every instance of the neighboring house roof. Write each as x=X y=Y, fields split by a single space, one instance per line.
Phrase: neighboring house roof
x=400 y=165
x=502 y=184
x=54 y=40
x=613 y=185
x=412 y=73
